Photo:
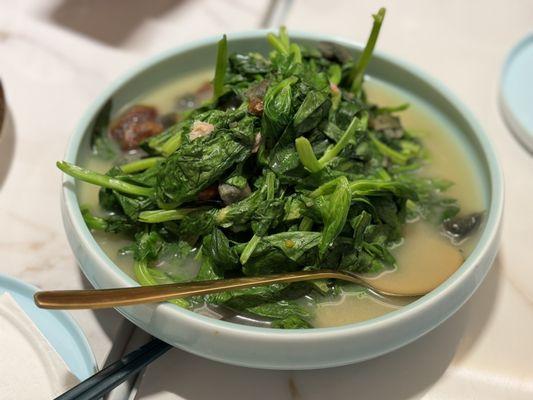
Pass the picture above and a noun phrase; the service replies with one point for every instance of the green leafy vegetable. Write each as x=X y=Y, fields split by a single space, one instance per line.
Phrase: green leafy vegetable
x=103 y=180
x=199 y=163
x=357 y=72
x=221 y=66
x=287 y=167
x=311 y=112
x=277 y=110
x=334 y=210
x=217 y=247
x=140 y=165
x=101 y=144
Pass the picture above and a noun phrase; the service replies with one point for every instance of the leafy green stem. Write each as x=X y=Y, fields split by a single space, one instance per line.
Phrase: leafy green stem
x=142 y=273
x=92 y=221
x=283 y=45
x=249 y=249
x=221 y=66
x=307 y=155
x=295 y=50
x=172 y=144
x=334 y=74
x=326 y=188
x=157 y=216
x=357 y=124
x=370 y=187
x=393 y=109
x=270 y=185
x=389 y=152
x=144 y=276
x=367 y=187
x=140 y=165
x=334 y=212
x=357 y=73
x=305 y=224
x=284 y=37
x=102 y=180
x=279 y=43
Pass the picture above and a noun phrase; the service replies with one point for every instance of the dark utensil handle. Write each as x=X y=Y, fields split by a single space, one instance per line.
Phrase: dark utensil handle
x=113 y=375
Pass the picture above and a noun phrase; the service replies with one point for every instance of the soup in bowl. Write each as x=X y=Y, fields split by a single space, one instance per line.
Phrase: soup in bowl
x=267 y=154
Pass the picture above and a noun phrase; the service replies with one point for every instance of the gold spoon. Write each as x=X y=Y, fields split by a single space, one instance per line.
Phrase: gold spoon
x=107 y=298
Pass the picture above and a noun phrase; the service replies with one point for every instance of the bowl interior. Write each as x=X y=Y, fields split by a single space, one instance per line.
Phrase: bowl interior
x=201 y=55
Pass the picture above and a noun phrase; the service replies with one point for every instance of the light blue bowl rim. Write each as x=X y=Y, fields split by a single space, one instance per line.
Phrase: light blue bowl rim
x=488 y=237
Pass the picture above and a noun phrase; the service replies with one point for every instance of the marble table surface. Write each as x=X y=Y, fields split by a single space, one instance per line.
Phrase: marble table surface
x=55 y=56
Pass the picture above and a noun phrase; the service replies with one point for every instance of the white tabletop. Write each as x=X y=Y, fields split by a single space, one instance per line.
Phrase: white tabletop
x=55 y=56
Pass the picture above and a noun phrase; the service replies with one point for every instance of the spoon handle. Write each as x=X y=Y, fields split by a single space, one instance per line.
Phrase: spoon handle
x=107 y=298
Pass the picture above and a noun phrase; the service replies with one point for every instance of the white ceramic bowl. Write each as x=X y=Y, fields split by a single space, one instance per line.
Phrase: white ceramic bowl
x=291 y=349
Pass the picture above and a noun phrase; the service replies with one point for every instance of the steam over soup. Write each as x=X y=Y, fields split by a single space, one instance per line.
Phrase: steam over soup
x=281 y=163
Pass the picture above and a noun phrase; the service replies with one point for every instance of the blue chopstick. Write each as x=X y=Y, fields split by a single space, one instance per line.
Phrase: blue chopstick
x=113 y=375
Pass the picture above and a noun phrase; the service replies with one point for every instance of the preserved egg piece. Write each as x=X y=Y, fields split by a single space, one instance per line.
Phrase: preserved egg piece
x=134 y=125
x=255 y=106
x=231 y=194
x=458 y=228
x=208 y=194
x=388 y=124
